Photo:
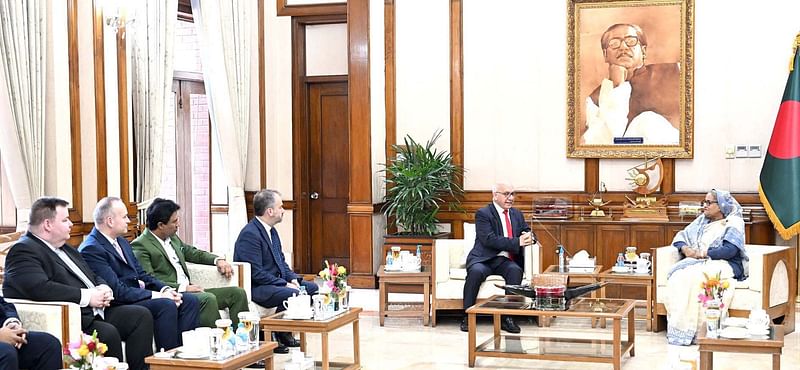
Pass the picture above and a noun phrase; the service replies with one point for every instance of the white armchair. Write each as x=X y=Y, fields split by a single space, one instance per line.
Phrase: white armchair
x=61 y=319
x=208 y=277
x=771 y=284
x=448 y=272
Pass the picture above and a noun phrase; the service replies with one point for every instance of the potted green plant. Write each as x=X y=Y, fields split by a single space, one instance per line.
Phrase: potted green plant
x=419 y=180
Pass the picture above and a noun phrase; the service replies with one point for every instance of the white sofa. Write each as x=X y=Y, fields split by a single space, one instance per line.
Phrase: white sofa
x=771 y=284
x=449 y=272
x=208 y=277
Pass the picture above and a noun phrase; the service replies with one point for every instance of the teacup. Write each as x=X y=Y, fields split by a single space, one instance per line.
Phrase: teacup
x=298 y=305
x=758 y=319
x=642 y=265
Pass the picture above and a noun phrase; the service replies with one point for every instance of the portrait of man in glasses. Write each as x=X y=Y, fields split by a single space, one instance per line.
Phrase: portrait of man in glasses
x=636 y=102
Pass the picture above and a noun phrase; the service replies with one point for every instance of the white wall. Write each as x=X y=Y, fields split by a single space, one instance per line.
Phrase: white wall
x=278 y=59
x=422 y=70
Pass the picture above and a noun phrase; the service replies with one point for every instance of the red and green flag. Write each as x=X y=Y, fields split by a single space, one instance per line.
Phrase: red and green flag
x=779 y=183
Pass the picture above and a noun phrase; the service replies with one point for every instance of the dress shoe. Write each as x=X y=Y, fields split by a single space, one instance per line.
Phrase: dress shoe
x=464 y=325
x=281 y=349
x=287 y=339
x=508 y=324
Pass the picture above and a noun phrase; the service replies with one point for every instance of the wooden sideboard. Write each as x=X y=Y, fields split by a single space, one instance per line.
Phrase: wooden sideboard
x=605 y=238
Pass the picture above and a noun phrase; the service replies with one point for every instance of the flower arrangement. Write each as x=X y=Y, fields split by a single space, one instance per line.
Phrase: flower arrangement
x=81 y=353
x=334 y=278
x=712 y=289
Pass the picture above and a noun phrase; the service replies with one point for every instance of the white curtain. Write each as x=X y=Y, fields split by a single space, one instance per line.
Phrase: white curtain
x=153 y=37
x=228 y=33
x=23 y=45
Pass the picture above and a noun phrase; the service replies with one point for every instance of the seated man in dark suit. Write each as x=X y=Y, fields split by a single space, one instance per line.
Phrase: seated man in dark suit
x=164 y=255
x=258 y=243
x=41 y=267
x=111 y=257
x=501 y=233
x=24 y=349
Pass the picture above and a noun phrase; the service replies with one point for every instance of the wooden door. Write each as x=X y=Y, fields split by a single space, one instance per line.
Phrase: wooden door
x=328 y=175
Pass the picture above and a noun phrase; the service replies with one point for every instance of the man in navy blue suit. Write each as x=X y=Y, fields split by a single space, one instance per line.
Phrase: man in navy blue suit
x=501 y=234
x=111 y=257
x=258 y=243
x=20 y=348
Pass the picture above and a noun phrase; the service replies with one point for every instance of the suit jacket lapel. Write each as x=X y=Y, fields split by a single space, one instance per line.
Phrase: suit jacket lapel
x=265 y=235
x=105 y=243
x=177 y=246
x=155 y=244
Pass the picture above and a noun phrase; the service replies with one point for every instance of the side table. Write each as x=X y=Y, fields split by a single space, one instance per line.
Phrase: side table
x=277 y=322
x=772 y=345
x=262 y=352
x=388 y=280
x=631 y=279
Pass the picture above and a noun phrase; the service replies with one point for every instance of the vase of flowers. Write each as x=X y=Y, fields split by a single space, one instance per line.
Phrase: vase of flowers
x=84 y=352
x=334 y=283
x=710 y=297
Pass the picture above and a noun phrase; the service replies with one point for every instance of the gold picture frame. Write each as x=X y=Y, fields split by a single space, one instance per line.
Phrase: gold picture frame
x=638 y=98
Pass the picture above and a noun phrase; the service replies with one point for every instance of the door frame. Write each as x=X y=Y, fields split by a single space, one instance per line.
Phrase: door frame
x=301 y=248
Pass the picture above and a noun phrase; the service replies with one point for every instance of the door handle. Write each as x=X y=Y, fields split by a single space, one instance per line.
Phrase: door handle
x=314 y=195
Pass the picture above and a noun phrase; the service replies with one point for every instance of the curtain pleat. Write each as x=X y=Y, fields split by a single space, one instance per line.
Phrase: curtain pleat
x=23 y=42
x=227 y=33
x=152 y=68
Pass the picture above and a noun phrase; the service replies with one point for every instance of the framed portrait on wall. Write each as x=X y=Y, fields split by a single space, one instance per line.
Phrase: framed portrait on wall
x=629 y=78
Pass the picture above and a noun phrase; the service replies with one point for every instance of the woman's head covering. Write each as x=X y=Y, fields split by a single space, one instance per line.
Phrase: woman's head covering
x=727 y=204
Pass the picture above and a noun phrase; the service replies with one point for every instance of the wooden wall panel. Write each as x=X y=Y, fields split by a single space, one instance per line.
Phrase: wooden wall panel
x=74 y=112
x=310 y=9
x=100 y=101
x=361 y=244
x=456 y=85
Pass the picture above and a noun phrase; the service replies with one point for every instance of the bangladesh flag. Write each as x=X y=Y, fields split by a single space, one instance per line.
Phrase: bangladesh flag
x=779 y=183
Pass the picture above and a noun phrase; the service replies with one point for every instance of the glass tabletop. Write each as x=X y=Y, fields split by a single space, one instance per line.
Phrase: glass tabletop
x=582 y=305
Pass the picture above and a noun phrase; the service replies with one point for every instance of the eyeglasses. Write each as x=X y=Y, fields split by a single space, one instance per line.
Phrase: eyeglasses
x=707 y=202
x=506 y=193
x=630 y=41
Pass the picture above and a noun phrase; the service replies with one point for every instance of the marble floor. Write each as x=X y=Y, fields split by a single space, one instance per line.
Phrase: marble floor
x=404 y=343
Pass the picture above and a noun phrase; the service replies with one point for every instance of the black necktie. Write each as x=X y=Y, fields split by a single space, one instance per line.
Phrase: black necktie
x=276 y=251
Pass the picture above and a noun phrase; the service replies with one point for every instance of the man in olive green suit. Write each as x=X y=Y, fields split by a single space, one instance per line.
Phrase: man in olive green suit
x=162 y=254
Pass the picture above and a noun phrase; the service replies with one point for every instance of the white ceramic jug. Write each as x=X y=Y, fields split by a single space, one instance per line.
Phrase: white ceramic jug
x=758 y=319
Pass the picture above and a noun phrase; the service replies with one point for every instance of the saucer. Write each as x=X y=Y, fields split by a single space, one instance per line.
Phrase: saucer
x=735 y=321
x=621 y=269
x=299 y=316
x=645 y=271
x=163 y=355
x=192 y=356
x=733 y=332
x=759 y=333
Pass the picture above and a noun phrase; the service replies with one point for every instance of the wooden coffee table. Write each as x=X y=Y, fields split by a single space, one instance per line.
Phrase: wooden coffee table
x=276 y=322
x=263 y=352
x=388 y=280
x=562 y=348
x=575 y=278
x=772 y=345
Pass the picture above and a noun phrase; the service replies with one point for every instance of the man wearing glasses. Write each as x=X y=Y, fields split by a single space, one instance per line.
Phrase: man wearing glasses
x=501 y=233
x=636 y=103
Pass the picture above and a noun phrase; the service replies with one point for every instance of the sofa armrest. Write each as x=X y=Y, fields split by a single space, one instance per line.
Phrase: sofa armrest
x=443 y=249
x=207 y=276
x=665 y=257
x=61 y=319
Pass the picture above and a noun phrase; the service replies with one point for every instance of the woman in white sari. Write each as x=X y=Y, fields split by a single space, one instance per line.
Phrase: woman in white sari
x=713 y=243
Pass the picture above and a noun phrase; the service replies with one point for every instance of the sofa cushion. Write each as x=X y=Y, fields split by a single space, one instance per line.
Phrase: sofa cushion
x=454 y=289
